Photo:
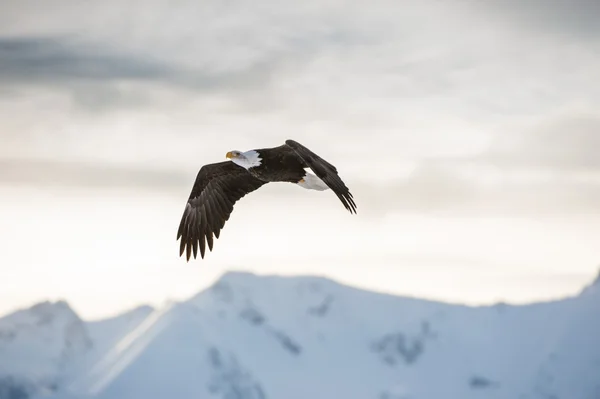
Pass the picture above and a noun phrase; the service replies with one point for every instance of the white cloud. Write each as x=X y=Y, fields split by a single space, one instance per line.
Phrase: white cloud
x=378 y=90
x=482 y=115
x=565 y=142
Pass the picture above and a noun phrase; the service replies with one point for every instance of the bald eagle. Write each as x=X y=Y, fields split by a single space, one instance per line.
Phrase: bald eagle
x=220 y=185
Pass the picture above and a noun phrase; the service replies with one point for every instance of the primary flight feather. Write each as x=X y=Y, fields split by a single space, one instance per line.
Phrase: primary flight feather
x=219 y=186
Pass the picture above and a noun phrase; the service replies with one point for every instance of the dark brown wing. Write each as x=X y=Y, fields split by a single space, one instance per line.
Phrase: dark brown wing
x=326 y=172
x=217 y=188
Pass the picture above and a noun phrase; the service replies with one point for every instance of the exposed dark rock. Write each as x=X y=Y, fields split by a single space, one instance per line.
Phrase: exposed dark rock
x=253 y=316
x=222 y=291
x=400 y=347
x=479 y=382
x=10 y=388
x=323 y=308
x=314 y=287
x=501 y=307
x=391 y=395
x=396 y=347
x=427 y=331
x=287 y=342
x=230 y=380
x=7 y=335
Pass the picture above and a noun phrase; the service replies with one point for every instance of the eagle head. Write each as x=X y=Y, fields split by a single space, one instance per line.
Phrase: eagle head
x=233 y=154
x=248 y=159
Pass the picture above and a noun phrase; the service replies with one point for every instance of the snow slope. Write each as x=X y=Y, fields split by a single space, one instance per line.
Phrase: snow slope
x=256 y=337
x=37 y=345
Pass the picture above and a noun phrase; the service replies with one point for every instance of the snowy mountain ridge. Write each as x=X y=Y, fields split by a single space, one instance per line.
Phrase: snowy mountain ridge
x=250 y=337
x=38 y=344
x=593 y=287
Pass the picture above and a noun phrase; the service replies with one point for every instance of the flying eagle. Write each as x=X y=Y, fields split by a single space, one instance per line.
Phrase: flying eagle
x=220 y=185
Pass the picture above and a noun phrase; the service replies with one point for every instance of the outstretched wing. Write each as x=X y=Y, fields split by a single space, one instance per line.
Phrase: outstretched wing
x=326 y=172
x=217 y=188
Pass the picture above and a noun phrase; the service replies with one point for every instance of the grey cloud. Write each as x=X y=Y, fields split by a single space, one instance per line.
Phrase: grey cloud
x=24 y=60
x=87 y=72
x=432 y=188
x=273 y=57
x=50 y=173
x=260 y=57
x=421 y=79
x=568 y=143
x=550 y=167
x=440 y=188
x=571 y=19
x=92 y=72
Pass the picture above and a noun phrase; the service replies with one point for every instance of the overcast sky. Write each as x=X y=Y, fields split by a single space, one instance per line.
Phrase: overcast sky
x=467 y=131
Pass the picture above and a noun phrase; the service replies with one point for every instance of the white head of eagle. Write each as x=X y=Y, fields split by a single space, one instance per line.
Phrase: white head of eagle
x=218 y=186
x=247 y=159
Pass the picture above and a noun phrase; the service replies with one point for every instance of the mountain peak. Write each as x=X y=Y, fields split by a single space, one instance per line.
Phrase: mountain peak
x=594 y=286
x=41 y=313
x=596 y=282
x=230 y=340
x=52 y=333
x=236 y=277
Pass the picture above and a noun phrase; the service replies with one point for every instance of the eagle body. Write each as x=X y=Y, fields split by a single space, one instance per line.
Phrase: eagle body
x=218 y=186
x=278 y=164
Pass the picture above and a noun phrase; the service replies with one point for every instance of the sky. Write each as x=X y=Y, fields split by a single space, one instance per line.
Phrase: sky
x=468 y=133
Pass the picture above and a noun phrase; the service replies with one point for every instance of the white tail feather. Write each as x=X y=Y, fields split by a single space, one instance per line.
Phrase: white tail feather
x=312 y=182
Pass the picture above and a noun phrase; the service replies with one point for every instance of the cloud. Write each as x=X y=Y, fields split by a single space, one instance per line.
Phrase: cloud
x=60 y=59
x=576 y=19
x=316 y=60
x=100 y=76
x=153 y=87
x=564 y=143
x=441 y=190
x=547 y=166
x=39 y=173
x=436 y=188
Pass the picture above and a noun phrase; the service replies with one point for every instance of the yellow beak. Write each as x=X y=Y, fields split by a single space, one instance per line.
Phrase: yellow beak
x=229 y=155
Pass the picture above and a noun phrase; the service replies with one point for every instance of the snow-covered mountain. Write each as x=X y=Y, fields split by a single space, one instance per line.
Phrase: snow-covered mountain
x=258 y=337
x=37 y=346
